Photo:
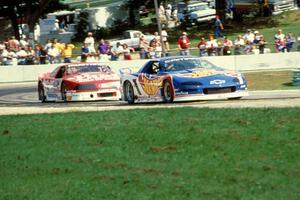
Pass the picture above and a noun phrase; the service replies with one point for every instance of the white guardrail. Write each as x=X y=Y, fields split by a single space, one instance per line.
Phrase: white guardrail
x=273 y=61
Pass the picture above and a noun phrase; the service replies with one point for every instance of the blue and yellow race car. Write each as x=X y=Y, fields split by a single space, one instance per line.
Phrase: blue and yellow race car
x=183 y=78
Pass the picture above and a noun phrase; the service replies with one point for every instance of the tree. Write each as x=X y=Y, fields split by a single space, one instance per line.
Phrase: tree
x=27 y=11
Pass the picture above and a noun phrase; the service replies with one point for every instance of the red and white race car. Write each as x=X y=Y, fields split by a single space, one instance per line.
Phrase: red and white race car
x=79 y=82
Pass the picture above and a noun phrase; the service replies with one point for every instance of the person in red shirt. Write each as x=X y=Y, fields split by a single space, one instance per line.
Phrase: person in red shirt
x=183 y=44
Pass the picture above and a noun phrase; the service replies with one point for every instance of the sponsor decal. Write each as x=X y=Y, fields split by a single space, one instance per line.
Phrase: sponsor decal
x=217 y=82
x=151 y=85
x=198 y=74
x=181 y=93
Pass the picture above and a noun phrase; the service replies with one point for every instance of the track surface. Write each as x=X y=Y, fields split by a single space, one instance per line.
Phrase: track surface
x=22 y=98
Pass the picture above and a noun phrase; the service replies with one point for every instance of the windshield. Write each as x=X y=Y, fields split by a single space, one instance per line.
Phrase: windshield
x=198 y=7
x=179 y=64
x=73 y=69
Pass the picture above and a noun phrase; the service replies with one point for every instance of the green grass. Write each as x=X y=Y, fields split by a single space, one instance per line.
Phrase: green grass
x=182 y=153
x=272 y=80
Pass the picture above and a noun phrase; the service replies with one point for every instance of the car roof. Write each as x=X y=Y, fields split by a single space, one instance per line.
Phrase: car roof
x=164 y=59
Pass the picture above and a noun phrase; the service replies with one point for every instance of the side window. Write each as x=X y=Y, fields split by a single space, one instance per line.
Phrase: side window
x=60 y=72
x=152 y=68
x=136 y=35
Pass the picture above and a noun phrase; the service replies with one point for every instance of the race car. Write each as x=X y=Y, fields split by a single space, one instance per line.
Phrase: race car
x=181 y=78
x=79 y=82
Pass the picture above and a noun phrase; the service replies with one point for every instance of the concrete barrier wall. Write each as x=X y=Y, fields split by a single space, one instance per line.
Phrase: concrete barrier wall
x=23 y=73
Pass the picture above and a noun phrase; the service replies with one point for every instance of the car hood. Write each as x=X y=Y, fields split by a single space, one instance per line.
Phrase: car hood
x=204 y=12
x=92 y=77
x=209 y=76
x=205 y=73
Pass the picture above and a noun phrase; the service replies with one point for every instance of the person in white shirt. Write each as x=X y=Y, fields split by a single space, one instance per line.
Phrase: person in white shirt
x=211 y=46
x=249 y=36
x=90 y=41
x=53 y=55
x=116 y=51
x=22 y=55
x=279 y=41
x=239 y=44
x=23 y=41
x=165 y=36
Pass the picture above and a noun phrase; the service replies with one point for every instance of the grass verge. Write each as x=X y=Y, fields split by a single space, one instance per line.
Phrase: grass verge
x=270 y=80
x=182 y=153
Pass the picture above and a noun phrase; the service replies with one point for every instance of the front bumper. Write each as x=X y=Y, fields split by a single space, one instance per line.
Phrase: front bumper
x=108 y=94
x=195 y=97
x=207 y=18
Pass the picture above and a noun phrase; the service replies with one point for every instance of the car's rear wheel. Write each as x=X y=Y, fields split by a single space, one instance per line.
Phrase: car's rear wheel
x=63 y=92
x=41 y=92
x=168 y=94
x=128 y=92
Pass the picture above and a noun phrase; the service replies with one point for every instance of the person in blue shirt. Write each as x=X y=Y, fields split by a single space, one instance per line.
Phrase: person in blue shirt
x=85 y=52
x=290 y=40
x=218 y=27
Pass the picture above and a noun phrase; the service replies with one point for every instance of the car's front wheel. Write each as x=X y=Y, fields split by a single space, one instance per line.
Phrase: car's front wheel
x=128 y=92
x=168 y=95
x=41 y=93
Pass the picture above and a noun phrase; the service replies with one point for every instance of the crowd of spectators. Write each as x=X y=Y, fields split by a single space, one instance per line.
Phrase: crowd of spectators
x=21 y=52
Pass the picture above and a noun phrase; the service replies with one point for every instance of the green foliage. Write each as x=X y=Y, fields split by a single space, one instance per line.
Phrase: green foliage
x=82 y=26
x=181 y=153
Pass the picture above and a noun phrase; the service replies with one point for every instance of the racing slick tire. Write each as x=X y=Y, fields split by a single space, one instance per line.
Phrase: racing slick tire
x=168 y=95
x=63 y=92
x=41 y=93
x=128 y=92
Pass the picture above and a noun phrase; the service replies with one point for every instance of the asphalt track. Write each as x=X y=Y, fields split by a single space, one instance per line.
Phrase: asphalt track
x=21 y=98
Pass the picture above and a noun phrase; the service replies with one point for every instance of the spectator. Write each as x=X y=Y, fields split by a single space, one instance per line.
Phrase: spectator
x=144 y=45
x=202 y=47
x=85 y=52
x=157 y=49
x=227 y=45
x=116 y=51
x=11 y=57
x=248 y=47
x=40 y=54
x=218 y=27
x=53 y=55
x=165 y=36
x=103 y=50
x=59 y=46
x=30 y=59
x=23 y=41
x=290 y=40
x=279 y=41
x=256 y=37
x=183 y=44
x=48 y=45
x=21 y=55
x=13 y=44
x=90 y=41
x=249 y=36
x=127 y=52
x=168 y=12
x=3 y=55
x=67 y=52
x=56 y=25
x=212 y=46
x=239 y=44
x=261 y=44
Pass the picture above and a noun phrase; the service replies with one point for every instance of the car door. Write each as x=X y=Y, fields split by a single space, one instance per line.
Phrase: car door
x=150 y=79
x=54 y=83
